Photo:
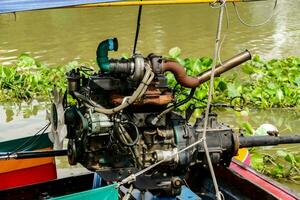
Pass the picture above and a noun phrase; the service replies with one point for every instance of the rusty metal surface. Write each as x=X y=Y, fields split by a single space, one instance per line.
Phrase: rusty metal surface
x=192 y=82
x=152 y=96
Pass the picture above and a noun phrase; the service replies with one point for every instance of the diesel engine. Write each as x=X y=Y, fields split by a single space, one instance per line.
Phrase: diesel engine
x=124 y=120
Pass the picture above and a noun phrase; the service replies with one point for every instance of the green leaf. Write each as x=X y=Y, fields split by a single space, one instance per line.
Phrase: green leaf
x=277 y=171
x=248 y=128
x=297 y=80
x=175 y=52
x=290 y=158
x=279 y=94
x=257 y=161
x=222 y=86
x=232 y=90
x=281 y=153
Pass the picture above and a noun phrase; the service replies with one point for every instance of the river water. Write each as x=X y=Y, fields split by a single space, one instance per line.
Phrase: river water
x=60 y=36
x=57 y=37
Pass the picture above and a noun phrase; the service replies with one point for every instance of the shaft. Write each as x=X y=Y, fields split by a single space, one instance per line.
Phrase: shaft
x=255 y=141
x=32 y=154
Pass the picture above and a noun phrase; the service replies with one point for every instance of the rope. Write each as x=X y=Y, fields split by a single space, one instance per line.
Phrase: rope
x=218 y=45
x=132 y=177
x=219 y=195
x=255 y=25
x=210 y=93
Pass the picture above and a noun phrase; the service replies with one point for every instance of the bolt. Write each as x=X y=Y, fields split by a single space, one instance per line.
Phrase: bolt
x=177 y=182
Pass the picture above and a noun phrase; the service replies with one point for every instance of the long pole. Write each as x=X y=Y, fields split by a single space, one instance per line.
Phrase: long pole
x=155 y=2
x=32 y=154
x=137 y=32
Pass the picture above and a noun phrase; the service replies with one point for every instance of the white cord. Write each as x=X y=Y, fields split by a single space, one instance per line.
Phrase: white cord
x=210 y=93
x=255 y=25
x=219 y=195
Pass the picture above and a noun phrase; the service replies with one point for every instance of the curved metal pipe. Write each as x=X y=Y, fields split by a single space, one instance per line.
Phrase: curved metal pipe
x=192 y=82
x=102 y=53
x=180 y=75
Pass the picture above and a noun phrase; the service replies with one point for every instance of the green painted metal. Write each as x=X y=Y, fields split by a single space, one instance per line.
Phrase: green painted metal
x=109 y=192
x=27 y=143
x=102 y=53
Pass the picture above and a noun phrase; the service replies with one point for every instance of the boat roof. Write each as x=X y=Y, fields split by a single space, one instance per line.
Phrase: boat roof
x=11 y=6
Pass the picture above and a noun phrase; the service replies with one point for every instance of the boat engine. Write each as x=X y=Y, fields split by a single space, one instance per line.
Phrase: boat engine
x=124 y=120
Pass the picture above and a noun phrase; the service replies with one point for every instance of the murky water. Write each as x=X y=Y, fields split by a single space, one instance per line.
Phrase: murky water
x=60 y=36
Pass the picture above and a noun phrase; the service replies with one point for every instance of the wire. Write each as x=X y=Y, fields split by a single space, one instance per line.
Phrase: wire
x=173 y=106
x=36 y=139
x=32 y=140
x=255 y=25
x=122 y=131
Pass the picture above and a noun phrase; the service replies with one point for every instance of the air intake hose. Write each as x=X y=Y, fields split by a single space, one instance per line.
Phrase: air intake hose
x=102 y=53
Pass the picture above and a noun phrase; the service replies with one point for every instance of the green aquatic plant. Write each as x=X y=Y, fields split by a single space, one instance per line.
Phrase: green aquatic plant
x=29 y=79
x=281 y=165
x=263 y=84
x=273 y=83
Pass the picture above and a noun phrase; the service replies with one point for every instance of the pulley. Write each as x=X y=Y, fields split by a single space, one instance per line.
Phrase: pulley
x=56 y=116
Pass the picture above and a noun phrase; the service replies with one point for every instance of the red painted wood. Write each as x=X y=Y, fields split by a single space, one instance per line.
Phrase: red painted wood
x=261 y=182
x=28 y=176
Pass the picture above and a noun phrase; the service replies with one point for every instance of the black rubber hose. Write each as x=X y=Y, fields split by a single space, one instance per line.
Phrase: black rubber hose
x=119 y=134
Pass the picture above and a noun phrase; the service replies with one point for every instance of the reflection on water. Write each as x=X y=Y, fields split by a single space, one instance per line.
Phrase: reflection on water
x=287 y=121
x=21 y=119
x=60 y=36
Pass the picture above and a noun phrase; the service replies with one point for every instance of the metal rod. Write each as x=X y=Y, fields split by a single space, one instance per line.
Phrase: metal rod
x=156 y=2
x=254 y=141
x=137 y=32
x=32 y=154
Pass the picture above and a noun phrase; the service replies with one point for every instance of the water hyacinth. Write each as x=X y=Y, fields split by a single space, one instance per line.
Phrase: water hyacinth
x=263 y=84
x=28 y=79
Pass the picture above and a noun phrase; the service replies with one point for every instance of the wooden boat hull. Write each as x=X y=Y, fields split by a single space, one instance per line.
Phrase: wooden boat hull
x=15 y=173
x=236 y=182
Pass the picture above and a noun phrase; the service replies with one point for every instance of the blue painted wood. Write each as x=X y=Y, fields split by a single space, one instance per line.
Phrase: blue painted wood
x=10 y=6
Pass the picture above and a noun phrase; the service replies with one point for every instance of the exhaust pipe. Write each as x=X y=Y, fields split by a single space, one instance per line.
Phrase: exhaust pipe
x=192 y=82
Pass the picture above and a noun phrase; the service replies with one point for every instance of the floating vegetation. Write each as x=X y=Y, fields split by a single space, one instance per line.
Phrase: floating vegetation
x=279 y=162
x=28 y=79
x=281 y=165
x=263 y=84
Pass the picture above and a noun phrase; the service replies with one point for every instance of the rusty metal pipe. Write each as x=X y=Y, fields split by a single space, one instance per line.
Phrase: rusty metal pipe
x=192 y=82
